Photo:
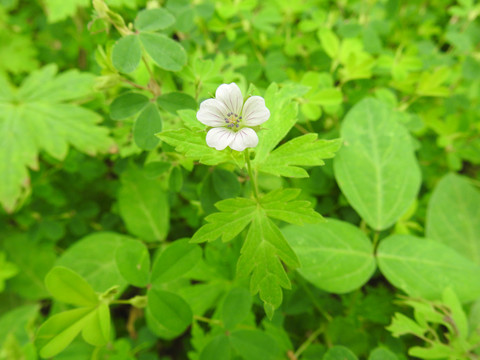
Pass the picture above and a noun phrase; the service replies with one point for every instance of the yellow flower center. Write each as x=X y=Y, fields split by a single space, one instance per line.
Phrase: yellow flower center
x=233 y=121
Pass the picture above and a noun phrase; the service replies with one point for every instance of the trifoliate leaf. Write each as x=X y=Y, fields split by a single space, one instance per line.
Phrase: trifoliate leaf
x=36 y=117
x=305 y=150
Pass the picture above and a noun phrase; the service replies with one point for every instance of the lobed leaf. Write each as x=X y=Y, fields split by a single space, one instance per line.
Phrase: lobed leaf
x=303 y=150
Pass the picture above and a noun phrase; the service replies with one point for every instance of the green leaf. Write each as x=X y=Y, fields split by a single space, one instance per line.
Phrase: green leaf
x=36 y=117
x=457 y=314
x=255 y=345
x=218 y=348
x=261 y=257
x=402 y=325
x=67 y=286
x=194 y=146
x=146 y=126
x=327 y=97
x=279 y=204
x=171 y=313
x=283 y=115
x=96 y=330
x=127 y=105
x=234 y=216
x=55 y=334
x=175 y=101
x=175 y=261
x=143 y=205
x=165 y=52
x=335 y=256
x=225 y=183
x=303 y=150
x=235 y=308
x=133 y=262
x=376 y=168
x=15 y=323
x=381 y=353
x=7 y=270
x=434 y=351
x=34 y=261
x=127 y=53
x=330 y=42
x=453 y=216
x=339 y=353
x=58 y=10
x=424 y=267
x=153 y=19
x=93 y=257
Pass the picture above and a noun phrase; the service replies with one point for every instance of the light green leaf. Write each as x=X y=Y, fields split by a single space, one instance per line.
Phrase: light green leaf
x=235 y=307
x=330 y=42
x=381 y=353
x=376 y=168
x=303 y=150
x=146 y=126
x=143 y=205
x=339 y=353
x=171 y=312
x=133 y=262
x=67 y=286
x=153 y=19
x=335 y=256
x=402 y=324
x=36 y=118
x=55 y=334
x=434 y=351
x=96 y=330
x=255 y=345
x=457 y=314
x=127 y=53
x=327 y=97
x=234 y=216
x=7 y=270
x=424 y=267
x=175 y=101
x=127 y=105
x=453 y=216
x=279 y=204
x=261 y=257
x=93 y=257
x=174 y=261
x=58 y=10
x=165 y=52
x=193 y=145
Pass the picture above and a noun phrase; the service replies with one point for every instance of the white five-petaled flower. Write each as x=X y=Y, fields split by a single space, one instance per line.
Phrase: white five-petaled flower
x=231 y=119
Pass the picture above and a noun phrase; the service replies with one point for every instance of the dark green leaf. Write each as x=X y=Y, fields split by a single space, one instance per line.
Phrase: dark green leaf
x=236 y=307
x=146 y=126
x=176 y=260
x=255 y=345
x=127 y=105
x=218 y=348
x=225 y=183
x=172 y=102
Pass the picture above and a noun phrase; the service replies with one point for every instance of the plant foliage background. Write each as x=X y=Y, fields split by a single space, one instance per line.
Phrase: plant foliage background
x=352 y=231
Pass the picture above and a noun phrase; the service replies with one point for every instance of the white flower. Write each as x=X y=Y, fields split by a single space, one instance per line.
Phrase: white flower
x=232 y=119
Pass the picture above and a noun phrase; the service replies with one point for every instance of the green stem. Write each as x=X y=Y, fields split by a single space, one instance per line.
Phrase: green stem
x=253 y=179
x=307 y=342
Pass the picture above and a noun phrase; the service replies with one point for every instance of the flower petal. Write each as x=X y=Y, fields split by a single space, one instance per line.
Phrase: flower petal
x=220 y=137
x=254 y=111
x=231 y=96
x=212 y=113
x=244 y=138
